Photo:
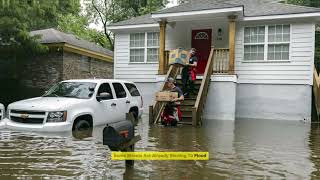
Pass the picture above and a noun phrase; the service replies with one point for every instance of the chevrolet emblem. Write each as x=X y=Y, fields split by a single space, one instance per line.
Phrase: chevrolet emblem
x=24 y=116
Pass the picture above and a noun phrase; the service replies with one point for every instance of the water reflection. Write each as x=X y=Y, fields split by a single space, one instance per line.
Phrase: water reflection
x=272 y=149
x=314 y=144
x=241 y=149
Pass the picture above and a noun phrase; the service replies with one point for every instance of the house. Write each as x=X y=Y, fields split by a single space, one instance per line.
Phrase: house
x=262 y=55
x=68 y=57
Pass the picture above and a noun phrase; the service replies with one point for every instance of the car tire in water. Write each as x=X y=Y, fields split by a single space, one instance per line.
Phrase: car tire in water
x=135 y=115
x=81 y=125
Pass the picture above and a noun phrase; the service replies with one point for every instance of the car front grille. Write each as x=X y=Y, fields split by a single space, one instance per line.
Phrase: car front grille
x=27 y=117
x=26 y=120
x=28 y=112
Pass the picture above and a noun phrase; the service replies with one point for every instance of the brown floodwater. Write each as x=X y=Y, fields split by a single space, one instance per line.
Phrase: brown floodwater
x=241 y=149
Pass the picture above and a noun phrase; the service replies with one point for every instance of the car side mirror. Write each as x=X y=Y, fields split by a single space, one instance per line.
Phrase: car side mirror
x=104 y=96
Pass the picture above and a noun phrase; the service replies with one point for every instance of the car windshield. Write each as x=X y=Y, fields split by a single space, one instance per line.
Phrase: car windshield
x=81 y=90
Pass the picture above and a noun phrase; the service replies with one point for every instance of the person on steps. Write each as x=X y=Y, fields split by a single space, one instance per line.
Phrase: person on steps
x=173 y=108
x=189 y=73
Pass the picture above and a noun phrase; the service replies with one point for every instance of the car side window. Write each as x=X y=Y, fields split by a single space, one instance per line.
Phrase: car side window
x=105 y=88
x=120 y=92
x=132 y=89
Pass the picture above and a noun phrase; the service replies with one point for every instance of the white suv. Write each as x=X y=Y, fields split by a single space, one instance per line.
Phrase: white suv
x=75 y=104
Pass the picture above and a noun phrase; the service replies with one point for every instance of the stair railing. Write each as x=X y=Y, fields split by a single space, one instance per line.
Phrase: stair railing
x=221 y=60
x=156 y=109
x=197 y=110
x=316 y=90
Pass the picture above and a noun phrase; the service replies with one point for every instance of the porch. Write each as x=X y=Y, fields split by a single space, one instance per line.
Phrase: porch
x=218 y=33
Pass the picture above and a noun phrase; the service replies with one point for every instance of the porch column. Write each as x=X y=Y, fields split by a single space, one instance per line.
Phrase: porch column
x=232 y=35
x=162 y=39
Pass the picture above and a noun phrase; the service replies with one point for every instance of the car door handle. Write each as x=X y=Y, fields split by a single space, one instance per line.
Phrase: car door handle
x=113 y=104
x=128 y=102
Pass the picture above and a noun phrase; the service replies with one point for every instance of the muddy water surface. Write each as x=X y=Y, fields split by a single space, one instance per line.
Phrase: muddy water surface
x=244 y=149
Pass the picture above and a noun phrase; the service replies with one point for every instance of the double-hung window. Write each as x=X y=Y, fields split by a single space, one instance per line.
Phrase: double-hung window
x=267 y=43
x=144 y=47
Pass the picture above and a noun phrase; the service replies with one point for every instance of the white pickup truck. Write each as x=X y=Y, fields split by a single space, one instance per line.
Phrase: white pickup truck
x=75 y=105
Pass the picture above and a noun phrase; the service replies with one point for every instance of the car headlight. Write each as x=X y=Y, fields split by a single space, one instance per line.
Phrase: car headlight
x=59 y=116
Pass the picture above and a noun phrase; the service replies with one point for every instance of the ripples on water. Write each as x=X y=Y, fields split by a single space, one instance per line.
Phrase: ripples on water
x=244 y=149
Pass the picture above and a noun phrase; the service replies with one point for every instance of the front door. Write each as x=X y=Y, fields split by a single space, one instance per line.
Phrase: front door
x=201 y=41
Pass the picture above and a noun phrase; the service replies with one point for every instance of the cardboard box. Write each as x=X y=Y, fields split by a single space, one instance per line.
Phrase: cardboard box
x=166 y=96
x=178 y=56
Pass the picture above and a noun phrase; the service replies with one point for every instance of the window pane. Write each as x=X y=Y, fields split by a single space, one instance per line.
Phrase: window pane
x=247 y=35
x=279 y=29
x=253 y=52
x=153 y=39
x=120 y=92
x=261 y=38
x=246 y=56
x=260 y=56
x=278 y=52
x=132 y=89
x=105 y=88
x=254 y=34
x=272 y=29
x=270 y=56
x=254 y=49
x=136 y=55
x=137 y=40
x=279 y=33
x=279 y=38
x=285 y=48
x=153 y=55
x=254 y=39
x=286 y=29
x=286 y=37
x=260 y=49
x=285 y=55
x=277 y=55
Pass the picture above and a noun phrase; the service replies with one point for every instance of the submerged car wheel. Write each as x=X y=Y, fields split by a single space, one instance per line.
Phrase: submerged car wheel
x=81 y=125
x=135 y=115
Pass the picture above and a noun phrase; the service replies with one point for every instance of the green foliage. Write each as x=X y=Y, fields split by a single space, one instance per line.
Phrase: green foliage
x=311 y=3
x=79 y=26
x=19 y=17
x=151 y=6
x=112 y=11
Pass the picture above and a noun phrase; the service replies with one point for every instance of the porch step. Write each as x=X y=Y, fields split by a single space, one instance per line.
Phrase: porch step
x=185 y=122
x=186 y=108
x=198 y=81
x=188 y=102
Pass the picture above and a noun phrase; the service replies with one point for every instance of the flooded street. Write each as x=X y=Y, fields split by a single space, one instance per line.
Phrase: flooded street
x=244 y=149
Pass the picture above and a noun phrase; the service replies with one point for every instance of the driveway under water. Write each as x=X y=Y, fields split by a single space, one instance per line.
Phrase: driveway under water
x=241 y=149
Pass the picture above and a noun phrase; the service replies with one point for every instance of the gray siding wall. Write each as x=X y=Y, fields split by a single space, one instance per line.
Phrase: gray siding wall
x=297 y=71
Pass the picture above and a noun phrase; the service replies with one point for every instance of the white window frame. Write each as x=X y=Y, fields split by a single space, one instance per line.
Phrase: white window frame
x=146 y=47
x=266 y=43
